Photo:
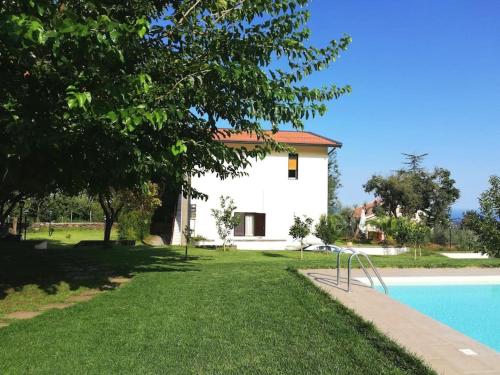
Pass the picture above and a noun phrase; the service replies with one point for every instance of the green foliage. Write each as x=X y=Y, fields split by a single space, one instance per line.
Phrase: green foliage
x=114 y=98
x=486 y=223
x=330 y=228
x=466 y=239
x=188 y=236
x=347 y=214
x=225 y=219
x=138 y=205
x=441 y=235
x=398 y=228
x=134 y=225
x=414 y=190
x=59 y=207
x=333 y=182
x=299 y=230
x=404 y=231
x=419 y=234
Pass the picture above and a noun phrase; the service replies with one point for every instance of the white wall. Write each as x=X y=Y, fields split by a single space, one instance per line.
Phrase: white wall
x=267 y=189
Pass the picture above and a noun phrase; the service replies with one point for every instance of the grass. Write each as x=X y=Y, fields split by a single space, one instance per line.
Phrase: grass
x=236 y=312
x=68 y=235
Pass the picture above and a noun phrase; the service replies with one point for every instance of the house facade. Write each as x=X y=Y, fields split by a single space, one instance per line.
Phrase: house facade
x=276 y=188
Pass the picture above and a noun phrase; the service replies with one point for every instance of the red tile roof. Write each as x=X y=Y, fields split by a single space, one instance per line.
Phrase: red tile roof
x=283 y=136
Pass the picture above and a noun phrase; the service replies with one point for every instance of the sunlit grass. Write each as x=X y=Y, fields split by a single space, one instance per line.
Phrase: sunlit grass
x=236 y=312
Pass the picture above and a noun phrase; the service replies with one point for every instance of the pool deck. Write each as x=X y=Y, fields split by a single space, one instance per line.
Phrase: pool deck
x=446 y=350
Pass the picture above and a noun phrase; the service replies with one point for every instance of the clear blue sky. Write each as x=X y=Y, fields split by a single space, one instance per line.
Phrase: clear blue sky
x=425 y=77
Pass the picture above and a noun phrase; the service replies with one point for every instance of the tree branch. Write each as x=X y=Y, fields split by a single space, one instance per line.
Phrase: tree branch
x=187 y=13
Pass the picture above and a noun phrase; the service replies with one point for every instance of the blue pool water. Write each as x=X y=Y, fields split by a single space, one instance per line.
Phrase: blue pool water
x=473 y=310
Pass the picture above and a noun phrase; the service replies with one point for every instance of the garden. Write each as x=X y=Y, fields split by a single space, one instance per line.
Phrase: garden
x=106 y=111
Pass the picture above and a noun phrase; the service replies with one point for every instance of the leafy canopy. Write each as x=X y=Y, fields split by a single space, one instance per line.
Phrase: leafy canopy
x=486 y=223
x=104 y=96
x=300 y=228
x=416 y=189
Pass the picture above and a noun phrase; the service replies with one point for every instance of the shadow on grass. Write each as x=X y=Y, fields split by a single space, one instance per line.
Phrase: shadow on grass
x=21 y=265
x=273 y=255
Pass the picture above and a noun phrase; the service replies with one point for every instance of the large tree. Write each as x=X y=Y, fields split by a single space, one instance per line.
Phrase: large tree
x=105 y=96
x=486 y=223
x=416 y=189
x=334 y=183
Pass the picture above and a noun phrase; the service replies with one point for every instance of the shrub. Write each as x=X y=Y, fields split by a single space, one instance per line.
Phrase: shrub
x=397 y=229
x=440 y=235
x=467 y=240
x=330 y=228
x=134 y=225
x=195 y=240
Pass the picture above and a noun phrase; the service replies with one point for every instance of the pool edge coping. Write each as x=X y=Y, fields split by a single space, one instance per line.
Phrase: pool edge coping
x=442 y=347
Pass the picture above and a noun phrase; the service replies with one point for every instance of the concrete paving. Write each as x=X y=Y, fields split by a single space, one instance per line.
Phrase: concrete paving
x=446 y=350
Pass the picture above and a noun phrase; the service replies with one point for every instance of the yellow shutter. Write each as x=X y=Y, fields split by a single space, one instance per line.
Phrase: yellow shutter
x=292 y=164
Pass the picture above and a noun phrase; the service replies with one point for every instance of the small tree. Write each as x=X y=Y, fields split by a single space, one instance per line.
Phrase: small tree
x=225 y=220
x=188 y=235
x=299 y=230
x=329 y=228
x=419 y=236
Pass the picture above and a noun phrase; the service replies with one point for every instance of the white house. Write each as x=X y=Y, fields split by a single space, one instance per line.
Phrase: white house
x=276 y=188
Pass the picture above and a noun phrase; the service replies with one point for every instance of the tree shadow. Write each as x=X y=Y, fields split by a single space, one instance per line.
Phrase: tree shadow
x=273 y=255
x=21 y=265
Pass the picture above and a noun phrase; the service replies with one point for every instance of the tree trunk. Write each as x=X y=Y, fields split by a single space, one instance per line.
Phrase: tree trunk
x=14 y=225
x=7 y=207
x=301 y=250
x=108 y=225
x=110 y=214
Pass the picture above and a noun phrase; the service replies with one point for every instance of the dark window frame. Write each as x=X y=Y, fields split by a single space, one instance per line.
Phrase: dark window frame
x=259 y=226
x=296 y=171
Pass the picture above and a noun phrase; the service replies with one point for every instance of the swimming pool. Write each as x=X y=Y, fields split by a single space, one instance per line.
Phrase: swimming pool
x=473 y=310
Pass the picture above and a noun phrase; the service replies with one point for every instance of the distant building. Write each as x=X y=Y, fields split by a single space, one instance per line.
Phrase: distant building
x=365 y=215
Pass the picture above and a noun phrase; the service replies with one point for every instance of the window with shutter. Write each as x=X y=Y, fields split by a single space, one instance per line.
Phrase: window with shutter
x=260 y=225
x=293 y=166
x=239 y=230
x=251 y=224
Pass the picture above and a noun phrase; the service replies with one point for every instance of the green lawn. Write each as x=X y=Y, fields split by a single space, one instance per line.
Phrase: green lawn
x=235 y=312
x=67 y=235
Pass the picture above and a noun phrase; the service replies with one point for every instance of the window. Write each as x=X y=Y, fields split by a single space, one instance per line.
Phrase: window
x=251 y=224
x=293 y=166
x=192 y=212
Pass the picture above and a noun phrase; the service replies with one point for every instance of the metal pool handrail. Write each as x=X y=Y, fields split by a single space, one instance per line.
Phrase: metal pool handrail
x=355 y=254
